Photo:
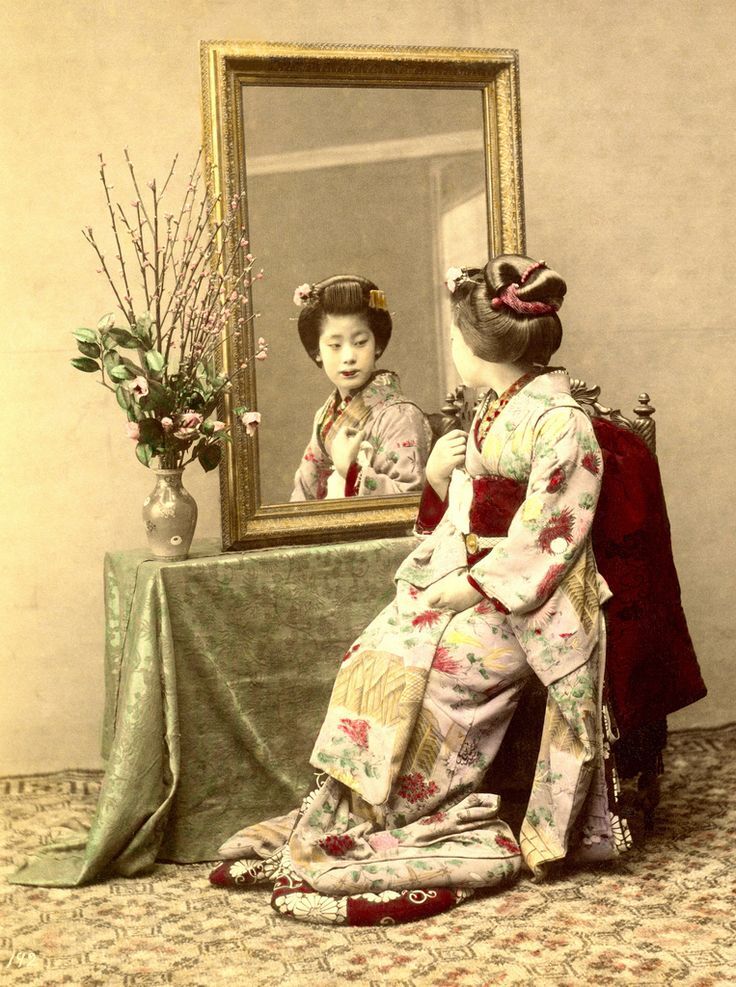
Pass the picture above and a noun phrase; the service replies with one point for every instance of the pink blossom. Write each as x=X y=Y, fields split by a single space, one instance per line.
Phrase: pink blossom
x=262 y=355
x=189 y=423
x=218 y=426
x=383 y=841
x=167 y=424
x=190 y=419
x=251 y=420
x=139 y=386
x=261 y=341
x=133 y=430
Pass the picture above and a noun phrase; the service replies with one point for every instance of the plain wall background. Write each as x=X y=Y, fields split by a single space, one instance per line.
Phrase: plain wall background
x=628 y=119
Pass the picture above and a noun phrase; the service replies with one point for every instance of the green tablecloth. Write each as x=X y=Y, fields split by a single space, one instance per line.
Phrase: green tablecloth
x=218 y=673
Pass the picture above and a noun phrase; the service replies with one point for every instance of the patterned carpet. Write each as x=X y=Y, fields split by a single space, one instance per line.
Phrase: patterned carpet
x=662 y=915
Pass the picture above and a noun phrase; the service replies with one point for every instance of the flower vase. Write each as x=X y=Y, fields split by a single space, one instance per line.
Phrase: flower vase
x=170 y=516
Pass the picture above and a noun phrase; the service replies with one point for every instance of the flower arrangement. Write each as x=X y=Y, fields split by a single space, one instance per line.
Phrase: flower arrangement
x=179 y=280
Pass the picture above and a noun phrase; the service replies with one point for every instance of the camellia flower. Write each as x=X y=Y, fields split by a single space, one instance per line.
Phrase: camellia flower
x=251 y=420
x=133 y=430
x=302 y=294
x=138 y=386
x=218 y=426
x=189 y=422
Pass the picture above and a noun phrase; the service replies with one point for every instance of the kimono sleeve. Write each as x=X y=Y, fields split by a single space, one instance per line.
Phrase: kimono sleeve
x=312 y=470
x=400 y=448
x=550 y=528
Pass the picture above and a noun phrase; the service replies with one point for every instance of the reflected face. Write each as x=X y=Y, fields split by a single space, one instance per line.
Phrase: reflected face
x=471 y=369
x=348 y=350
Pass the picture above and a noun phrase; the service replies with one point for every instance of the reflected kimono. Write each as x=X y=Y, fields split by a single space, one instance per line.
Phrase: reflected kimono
x=399 y=827
x=392 y=456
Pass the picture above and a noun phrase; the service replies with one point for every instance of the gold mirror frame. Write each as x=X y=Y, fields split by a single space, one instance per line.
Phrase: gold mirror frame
x=226 y=67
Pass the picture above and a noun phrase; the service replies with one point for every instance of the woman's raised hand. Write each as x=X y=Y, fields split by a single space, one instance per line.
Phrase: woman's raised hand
x=448 y=454
x=345 y=448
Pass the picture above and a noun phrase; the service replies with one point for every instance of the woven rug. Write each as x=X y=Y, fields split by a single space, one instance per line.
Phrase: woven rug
x=663 y=914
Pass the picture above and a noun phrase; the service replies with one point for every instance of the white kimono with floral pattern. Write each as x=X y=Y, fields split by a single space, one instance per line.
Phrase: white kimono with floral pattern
x=423 y=698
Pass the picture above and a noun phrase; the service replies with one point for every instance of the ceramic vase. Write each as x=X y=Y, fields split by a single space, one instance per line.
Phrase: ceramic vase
x=170 y=516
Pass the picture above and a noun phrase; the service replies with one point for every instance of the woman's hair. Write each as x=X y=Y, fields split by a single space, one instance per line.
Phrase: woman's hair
x=345 y=294
x=507 y=312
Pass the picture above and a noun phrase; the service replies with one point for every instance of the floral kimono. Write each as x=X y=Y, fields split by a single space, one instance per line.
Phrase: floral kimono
x=400 y=826
x=392 y=456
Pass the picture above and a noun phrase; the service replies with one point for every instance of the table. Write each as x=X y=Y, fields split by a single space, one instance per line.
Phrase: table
x=218 y=671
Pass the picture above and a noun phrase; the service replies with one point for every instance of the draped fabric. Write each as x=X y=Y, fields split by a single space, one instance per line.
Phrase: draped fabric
x=215 y=688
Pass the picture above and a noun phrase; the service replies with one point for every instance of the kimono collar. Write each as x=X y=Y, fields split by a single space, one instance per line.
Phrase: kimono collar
x=543 y=384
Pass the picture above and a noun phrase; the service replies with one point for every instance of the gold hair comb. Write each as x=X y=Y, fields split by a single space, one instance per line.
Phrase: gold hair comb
x=377 y=299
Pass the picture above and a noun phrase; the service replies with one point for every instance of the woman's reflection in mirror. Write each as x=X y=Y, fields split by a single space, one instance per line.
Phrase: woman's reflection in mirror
x=367 y=438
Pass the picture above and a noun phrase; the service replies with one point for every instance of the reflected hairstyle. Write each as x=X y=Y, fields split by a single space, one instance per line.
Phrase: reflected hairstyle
x=498 y=333
x=345 y=294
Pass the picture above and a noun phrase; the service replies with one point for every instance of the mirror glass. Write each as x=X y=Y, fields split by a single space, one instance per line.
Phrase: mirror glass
x=387 y=183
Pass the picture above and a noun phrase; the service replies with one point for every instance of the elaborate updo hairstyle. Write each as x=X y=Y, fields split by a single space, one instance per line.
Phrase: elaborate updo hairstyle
x=507 y=312
x=345 y=294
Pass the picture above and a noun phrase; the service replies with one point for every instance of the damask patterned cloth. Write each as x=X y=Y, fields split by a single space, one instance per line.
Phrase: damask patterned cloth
x=218 y=674
x=423 y=698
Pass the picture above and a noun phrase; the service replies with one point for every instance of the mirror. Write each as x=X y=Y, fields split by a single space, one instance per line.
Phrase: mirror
x=393 y=164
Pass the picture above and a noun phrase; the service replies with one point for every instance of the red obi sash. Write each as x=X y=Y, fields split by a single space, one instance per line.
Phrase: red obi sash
x=495 y=501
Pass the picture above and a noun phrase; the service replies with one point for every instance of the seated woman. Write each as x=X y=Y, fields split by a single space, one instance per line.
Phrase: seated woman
x=367 y=438
x=502 y=587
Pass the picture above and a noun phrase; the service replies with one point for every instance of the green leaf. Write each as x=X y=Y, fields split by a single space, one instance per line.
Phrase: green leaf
x=159 y=398
x=144 y=453
x=123 y=397
x=106 y=322
x=85 y=335
x=89 y=349
x=121 y=372
x=85 y=364
x=111 y=359
x=155 y=361
x=151 y=433
x=123 y=338
x=209 y=455
x=143 y=329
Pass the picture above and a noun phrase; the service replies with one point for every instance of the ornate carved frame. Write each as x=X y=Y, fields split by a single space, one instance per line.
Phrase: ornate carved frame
x=226 y=67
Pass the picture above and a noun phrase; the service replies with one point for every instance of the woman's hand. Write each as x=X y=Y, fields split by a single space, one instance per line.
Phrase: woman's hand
x=452 y=592
x=448 y=453
x=345 y=448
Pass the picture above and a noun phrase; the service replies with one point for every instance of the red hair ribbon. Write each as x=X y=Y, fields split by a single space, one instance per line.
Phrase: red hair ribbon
x=509 y=297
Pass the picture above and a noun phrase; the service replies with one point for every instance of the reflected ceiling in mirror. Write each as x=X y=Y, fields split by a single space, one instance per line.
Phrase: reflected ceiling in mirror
x=392 y=163
x=386 y=183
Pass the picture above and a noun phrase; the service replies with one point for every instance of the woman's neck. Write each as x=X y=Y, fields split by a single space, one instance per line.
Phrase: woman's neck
x=500 y=376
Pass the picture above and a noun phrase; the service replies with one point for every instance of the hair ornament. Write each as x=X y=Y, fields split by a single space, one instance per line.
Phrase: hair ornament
x=509 y=298
x=456 y=276
x=304 y=294
x=530 y=270
x=377 y=299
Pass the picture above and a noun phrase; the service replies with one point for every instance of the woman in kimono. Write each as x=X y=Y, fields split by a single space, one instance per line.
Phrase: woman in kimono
x=367 y=438
x=502 y=586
